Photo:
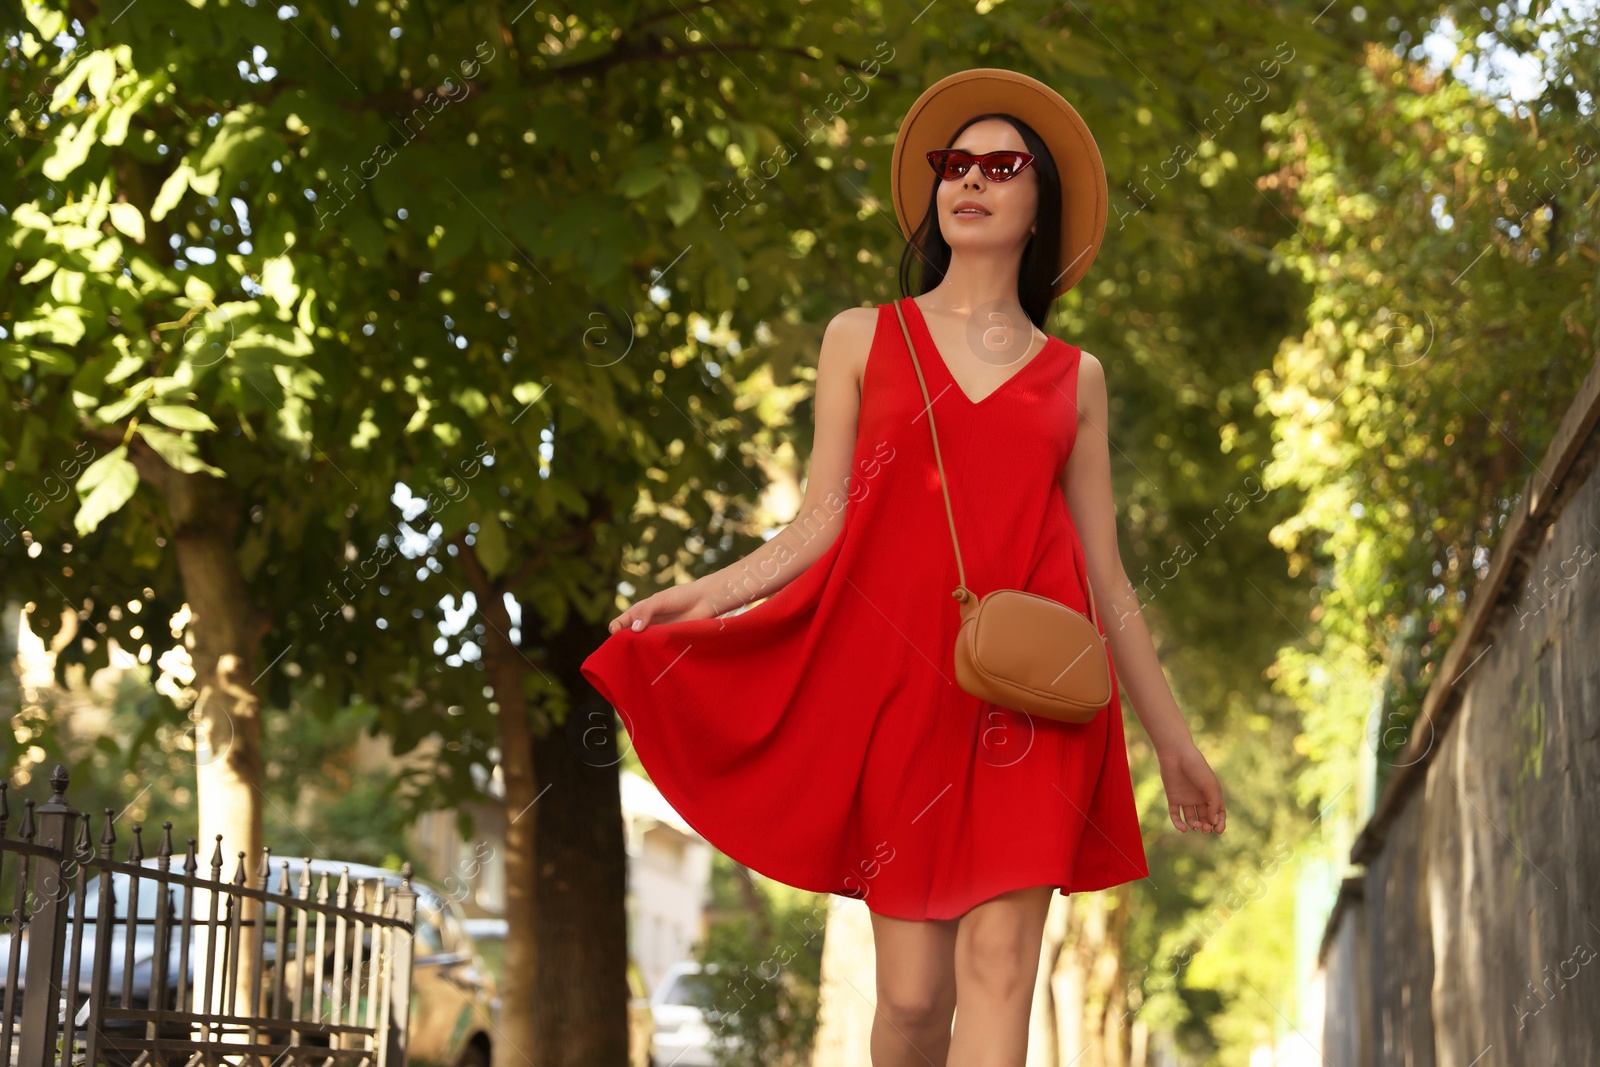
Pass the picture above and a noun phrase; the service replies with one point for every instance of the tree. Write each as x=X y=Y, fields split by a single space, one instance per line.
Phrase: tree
x=1449 y=244
x=115 y=377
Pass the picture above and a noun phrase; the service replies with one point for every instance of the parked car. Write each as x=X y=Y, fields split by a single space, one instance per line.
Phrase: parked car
x=453 y=996
x=684 y=1017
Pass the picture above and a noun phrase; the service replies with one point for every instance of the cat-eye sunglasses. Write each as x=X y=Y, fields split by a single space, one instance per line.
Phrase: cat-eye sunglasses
x=951 y=163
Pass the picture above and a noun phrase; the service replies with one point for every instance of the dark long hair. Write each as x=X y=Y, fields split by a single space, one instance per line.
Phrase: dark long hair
x=1037 y=273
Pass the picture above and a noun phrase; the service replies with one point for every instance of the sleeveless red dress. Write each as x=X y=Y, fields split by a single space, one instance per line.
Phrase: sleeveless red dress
x=819 y=736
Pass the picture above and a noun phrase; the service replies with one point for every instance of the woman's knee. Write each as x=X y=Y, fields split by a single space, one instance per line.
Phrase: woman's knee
x=916 y=1003
x=1001 y=957
x=916 y=972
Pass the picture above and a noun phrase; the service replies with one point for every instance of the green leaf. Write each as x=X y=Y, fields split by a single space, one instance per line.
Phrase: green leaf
x=565 y=493
x=34 y=430
x=277 y=282
x=125 y=366
x=239 y=130
x=641 y=180
x=105 y=486
x=62 y=325
x=687 y=188
x=180 y=417
x=491 y=547
x=15 y=359
x=196 y=289
x=171 y=191
x=364 y=235
x=179 y=452
x=472 y=401
x=118 y=410
x=294 y=422
x=121 y=113
x=48 y=22
x=38 y=272
x=66 y=90
x=66 y=288
x=102 y=71
x=206 y=184
x=70 y=152
x=50 y=362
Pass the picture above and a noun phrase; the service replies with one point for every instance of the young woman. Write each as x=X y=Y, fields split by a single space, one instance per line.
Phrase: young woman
x=819 y=737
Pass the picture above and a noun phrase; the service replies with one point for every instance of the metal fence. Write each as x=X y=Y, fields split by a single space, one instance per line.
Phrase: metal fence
x=328 y=977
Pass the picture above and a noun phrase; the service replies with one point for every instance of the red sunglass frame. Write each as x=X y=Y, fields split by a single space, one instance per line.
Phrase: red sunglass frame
x=942 y=159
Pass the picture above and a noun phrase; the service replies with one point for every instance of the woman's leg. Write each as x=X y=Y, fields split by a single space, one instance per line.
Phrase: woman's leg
x=997 y=965
x=916 y=991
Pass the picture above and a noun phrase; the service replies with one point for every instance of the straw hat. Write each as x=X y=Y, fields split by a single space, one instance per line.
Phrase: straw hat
x=944 y=106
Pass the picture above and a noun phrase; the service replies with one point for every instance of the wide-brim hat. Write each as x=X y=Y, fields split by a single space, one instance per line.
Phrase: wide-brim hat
x=948 y=103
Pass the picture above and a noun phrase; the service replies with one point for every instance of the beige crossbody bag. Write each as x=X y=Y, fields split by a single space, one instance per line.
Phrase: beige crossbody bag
x=1017 y=649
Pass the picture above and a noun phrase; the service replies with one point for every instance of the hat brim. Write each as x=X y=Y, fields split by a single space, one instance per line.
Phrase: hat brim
x=933 y=120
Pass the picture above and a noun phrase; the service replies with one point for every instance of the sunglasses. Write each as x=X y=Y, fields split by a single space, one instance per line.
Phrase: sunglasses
x=951 y=163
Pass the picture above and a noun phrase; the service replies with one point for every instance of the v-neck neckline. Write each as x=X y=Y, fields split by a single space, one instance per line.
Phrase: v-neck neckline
x=1019 y=372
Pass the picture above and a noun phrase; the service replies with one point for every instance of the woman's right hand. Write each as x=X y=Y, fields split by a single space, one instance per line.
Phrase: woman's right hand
x=676 y=603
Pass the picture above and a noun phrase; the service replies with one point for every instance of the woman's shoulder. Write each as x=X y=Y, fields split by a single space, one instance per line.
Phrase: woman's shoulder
x=852 y=329
x=848 y=339
x=1091 y=376
x=857 y=317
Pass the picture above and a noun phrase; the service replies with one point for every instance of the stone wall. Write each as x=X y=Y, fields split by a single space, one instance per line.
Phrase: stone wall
x=1473 y=937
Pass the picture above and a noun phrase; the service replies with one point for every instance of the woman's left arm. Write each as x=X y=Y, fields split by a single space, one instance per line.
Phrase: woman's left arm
x=1194 y=796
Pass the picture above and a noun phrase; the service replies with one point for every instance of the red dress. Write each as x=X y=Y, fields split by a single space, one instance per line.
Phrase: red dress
x=819 y=737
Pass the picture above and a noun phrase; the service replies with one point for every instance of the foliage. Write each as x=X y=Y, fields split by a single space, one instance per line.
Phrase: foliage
x=763 y=964
x=1450 y=243
x=120 y=752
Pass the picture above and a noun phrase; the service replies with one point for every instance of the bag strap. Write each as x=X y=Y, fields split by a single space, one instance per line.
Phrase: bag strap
x=961 y=592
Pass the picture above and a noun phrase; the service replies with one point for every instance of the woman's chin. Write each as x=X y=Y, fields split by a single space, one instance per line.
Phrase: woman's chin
x=965 y=240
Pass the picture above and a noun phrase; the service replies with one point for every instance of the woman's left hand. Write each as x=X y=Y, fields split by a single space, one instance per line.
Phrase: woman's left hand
x=1194 y=796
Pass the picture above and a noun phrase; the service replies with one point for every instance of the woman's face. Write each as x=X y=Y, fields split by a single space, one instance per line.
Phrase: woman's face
x=978 y=215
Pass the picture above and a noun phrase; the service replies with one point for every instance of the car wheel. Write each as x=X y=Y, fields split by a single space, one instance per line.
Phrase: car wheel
x=474 y=1055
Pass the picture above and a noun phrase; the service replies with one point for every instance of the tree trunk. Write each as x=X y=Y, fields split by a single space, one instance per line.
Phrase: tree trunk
x=849 y=993
x=223 y=638
x=517 y=1027
x=754 y=904
x=1052 y=1026
x=582 y=983
x=1091 y=958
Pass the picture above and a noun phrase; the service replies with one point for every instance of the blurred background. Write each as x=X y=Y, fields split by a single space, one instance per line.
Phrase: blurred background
x=360 y=358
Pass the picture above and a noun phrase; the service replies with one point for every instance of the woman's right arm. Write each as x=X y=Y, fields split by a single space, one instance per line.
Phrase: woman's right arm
x=837 y=403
